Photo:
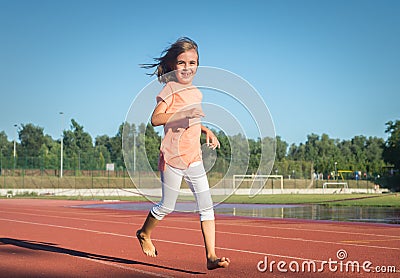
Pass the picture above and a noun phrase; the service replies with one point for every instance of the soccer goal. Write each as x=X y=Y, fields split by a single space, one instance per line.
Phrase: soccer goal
x=254 y=180
x=337 y=185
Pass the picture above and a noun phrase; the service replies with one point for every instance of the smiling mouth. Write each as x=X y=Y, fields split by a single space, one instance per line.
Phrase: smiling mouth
x=186 y=74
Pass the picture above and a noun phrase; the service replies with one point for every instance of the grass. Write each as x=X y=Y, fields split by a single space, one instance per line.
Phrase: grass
x=29 y=195
x=371 y=200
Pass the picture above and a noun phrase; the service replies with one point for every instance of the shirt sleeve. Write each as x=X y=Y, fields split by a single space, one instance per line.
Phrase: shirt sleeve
x=165 y=95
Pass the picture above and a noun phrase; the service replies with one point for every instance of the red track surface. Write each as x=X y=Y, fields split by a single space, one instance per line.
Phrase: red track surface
x=46 y=238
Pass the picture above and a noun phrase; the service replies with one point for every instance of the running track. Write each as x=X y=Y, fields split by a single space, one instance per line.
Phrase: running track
x=48 y=238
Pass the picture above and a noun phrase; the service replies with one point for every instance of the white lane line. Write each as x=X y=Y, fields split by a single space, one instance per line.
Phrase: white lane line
x=158 y=240
x=92 y=259
x=221 y=224
x=127 y=268
x=197 y=245
x=347 y=243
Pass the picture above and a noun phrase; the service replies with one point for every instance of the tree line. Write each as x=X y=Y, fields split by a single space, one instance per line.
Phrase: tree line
x=320 y=154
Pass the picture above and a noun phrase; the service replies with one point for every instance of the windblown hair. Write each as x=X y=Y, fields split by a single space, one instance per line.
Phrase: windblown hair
x=166 y=63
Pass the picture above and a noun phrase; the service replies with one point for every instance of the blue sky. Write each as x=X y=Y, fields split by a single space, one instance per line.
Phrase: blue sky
x=321 y=66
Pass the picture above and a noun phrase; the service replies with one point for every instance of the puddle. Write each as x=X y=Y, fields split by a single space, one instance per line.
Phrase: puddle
x=314 y=212
x=385 y=215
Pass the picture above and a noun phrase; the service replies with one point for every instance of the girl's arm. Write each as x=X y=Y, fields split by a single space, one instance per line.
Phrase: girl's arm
x=159 y=117
x=211 y=139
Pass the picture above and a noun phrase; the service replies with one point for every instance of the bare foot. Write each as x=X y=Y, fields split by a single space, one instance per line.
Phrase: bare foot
x=147 y=246
x=218 y=263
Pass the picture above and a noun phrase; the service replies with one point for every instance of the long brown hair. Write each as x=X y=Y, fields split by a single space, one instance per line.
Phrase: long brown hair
x=166 y=63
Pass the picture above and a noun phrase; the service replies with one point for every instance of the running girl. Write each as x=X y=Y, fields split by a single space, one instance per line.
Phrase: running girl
x=179 y=110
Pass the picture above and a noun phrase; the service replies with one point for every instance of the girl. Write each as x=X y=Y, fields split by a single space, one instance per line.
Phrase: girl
x=179 y=110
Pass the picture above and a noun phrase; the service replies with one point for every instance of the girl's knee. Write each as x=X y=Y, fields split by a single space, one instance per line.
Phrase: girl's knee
x=207 y=214
x=160 y=211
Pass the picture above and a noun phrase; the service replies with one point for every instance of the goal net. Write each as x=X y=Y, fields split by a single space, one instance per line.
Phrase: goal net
x=341 y=186
x=257 y=182
x=335 y=185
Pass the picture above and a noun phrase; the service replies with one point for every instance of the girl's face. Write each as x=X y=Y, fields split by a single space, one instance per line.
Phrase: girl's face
x=186 y=66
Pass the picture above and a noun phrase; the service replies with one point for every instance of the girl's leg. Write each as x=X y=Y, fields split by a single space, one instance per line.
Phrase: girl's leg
x=171 y=181
x=197 y=180
x=144 y=236
x=208 y=230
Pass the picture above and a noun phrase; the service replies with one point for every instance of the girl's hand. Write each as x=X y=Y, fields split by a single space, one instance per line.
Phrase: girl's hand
x=160 y=117
x=212 y=140
x=194 y=113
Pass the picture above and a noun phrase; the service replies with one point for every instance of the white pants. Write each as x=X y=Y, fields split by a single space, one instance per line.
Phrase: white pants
x=195 y=177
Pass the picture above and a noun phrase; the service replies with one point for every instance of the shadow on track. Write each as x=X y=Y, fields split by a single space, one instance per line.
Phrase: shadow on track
x=49 y=247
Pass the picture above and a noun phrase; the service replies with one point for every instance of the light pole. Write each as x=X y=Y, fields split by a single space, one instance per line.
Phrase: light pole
x=62 y=145
x=134 y=152
x=294 y=177
x=1 y=159
x=15 y=145
x=335 y=171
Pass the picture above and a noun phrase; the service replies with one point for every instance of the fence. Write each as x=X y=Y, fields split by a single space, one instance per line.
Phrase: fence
x=34 y=173
x=85 y=179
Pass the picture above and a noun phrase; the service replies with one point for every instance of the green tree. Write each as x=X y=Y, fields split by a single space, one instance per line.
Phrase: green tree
x=391 y=153
x=152 y=146
x=328 y=154
x=111 y=148
x=102 y=146
x=255 y=155
x=31 y=138
x=129 y=138
x=223 y=153
x=49 y=154
x=3 y=140
x=6 y=148
x=359 y=144
x=240 y=160
x=143 y=156
x=78 y=147
x=5 y=145
x=281 y=149
x=115 y=147
x=137 y=153
x=374 y=155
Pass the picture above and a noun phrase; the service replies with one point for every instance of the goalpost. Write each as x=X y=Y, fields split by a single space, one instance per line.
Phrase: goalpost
x=261 y=179
x=342 y=185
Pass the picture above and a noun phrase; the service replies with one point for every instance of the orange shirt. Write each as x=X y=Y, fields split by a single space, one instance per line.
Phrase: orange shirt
x=181 y=143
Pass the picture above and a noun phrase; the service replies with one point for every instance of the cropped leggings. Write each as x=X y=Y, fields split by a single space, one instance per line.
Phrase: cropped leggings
x=195 y=177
